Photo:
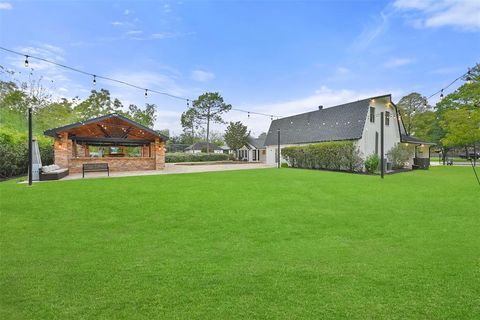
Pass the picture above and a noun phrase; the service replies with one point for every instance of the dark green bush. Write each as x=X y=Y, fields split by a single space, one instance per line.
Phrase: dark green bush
x=14 y=153
x=284 y=165
x=195 y=157
x=372 y=163
x=335 y=155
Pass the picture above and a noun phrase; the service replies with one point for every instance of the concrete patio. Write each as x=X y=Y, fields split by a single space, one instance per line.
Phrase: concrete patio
x=172 y=168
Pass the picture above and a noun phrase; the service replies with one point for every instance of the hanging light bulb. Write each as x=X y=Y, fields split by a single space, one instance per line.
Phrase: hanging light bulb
x=94 y=80
x=249 y=114
x=469 y=77
x=146 y=93
x=271 y=118
x=26 y=61
x=188 y=104
x=425 y=104
x=441 y=94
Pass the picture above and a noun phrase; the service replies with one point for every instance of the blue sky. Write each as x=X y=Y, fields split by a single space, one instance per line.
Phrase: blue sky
x=277 y=57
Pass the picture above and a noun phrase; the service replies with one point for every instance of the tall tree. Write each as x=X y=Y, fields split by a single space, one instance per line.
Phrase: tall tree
x=456 y=111
x=146 y=117
x=236 y=135
x=97 y=104
x=208 y=108
x=409 y=106
x=189 y=124
x=462 y=127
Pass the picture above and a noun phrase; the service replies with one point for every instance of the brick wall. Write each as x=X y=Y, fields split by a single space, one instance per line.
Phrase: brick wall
x=159 y=147
x=62 y=150
x=115 y=164
x=65 y=159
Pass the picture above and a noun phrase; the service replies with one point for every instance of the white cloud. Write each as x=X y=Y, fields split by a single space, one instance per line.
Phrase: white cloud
x=6 y=6
x=463 y=14
x=55 y=79
x=202 y=76
x=397 y=62
x=371 y=32
x=126 y=12
x=133 y=32
x=167 y=8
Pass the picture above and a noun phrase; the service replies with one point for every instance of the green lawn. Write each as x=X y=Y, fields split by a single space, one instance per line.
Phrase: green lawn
x=265 y=244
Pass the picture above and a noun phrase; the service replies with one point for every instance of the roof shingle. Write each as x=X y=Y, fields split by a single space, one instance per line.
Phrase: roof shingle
x=342 y=122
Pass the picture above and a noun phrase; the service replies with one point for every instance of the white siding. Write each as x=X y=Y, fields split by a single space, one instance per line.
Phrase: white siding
x=367 y=143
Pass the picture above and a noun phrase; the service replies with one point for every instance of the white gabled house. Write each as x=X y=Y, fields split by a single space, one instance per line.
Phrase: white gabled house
x=253 y=151
x=357 y=121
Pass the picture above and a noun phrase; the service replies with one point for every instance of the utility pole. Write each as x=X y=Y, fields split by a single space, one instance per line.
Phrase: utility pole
x=30 y=147
x=278 y=148
x=382 y=147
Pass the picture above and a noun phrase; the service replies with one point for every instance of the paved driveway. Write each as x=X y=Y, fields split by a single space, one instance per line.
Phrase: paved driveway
x=171 y=168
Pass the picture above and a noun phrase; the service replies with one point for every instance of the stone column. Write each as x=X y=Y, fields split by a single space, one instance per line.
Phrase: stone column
x=159 y=151
x=62 y=150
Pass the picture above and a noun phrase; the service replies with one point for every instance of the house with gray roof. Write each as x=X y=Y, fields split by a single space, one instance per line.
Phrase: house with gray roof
x=253 y=151
x=357 y=121
x=199 y=147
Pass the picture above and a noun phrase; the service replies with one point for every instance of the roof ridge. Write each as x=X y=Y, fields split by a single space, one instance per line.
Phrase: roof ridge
x=338 y=105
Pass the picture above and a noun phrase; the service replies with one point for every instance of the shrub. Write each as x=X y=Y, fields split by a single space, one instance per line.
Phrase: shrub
x=400 y=155
x=14 y=152
x=195 y=157
x=335 y=155
x=372 y=163
x=284 y=165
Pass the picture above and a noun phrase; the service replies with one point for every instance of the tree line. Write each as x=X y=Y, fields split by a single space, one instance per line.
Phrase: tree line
x=454 y=122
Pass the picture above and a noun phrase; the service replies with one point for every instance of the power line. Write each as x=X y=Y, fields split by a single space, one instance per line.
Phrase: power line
x=97 y=76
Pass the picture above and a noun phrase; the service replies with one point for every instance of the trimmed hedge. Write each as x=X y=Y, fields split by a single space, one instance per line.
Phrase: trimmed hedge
x=14 y=152
x=335 y=155
x=195 y=157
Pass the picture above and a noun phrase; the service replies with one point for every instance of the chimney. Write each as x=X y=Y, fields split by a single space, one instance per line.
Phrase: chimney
x=320 y=107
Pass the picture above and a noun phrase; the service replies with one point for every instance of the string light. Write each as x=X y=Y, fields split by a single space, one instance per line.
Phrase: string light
x=188 y=103
x=95 y=76
x=469 y=77
x=249 y=114
x=94 y=80
x=441 y=95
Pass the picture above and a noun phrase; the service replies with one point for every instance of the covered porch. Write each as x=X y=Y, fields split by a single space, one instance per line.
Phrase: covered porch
x=123 y=144
x=421 y=151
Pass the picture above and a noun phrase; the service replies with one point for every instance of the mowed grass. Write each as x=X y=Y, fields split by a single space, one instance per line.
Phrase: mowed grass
x=252 y=244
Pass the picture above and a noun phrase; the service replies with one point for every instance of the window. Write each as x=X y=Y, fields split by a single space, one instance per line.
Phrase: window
x=372 y=114
x=387 y=118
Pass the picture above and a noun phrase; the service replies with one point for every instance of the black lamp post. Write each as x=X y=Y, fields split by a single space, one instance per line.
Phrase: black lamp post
x=382 y=147
x=278 y=148
x=30 y=146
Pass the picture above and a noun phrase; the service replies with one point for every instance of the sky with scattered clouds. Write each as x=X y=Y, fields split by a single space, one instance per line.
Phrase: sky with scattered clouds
x=275 y=57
